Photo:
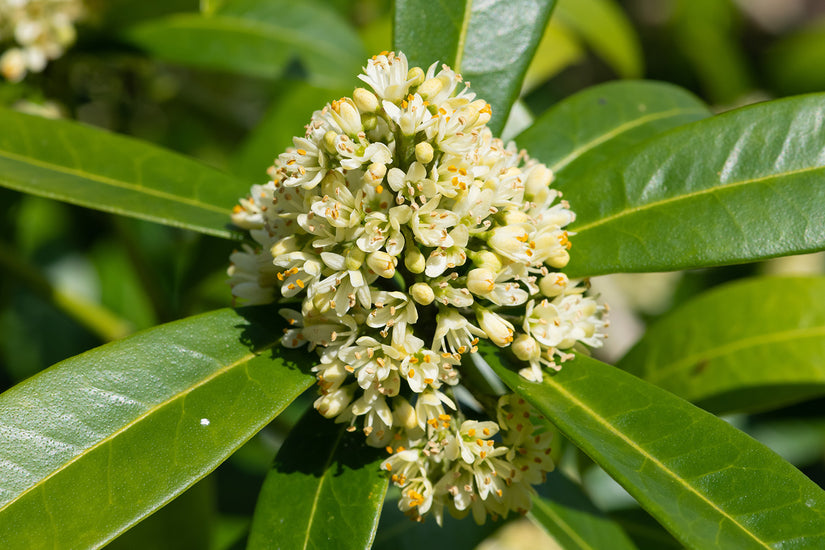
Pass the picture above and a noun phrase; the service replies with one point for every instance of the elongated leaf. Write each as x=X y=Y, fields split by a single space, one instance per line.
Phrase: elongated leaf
x=747 y=346
x=259 y=38
x=645 y=532
x=562 y=508
x=741 y=186
x=101 y=440
x=490 y=43
x=559 y=48
x=709 y=484
x=67 y=161
x=587 y=129
x=326 y=485
x=607 y=30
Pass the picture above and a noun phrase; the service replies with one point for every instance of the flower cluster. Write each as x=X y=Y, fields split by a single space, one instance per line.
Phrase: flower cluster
x=404 y=233
x=41 y=29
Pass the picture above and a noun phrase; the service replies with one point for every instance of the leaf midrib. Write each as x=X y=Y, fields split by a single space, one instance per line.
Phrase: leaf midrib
x=620 y=129
x=652 y=459
x=733 y=346
x=105 y=180
x=321 y=481
x=41 y=482
x=462 y=35
x=647 y=206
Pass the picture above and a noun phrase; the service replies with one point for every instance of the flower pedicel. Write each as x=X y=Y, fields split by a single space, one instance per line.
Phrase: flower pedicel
x=404 y=233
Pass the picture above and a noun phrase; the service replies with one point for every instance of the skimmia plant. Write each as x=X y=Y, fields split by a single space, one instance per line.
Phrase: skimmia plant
x=428 y=284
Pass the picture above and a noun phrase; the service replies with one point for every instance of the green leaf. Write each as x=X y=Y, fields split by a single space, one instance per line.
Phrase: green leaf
x=709 y=484
x=562 y=508
x=260 y=38
x=741 y=186
x=645 y=532
x=747 y=346
x=587 y=129
x=67 y=161
x=326 y=485
x=608 y=31
x=558 y=49
x=97 y=442
x=489 y=43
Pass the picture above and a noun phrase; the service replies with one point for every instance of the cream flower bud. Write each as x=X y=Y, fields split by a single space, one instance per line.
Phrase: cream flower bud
x=430 y=88
x=515 y=216
x=355 y=259
x=481 y=281
x=526 y=348
x=365 y=100
x=553 y=284
x=538 y=182
x=422 y=293
x=559 y=259
x=329 y=141
x=333 y=403
x=424 y=152
x=415 y=261
x=415 y=76
x=486 y=259
x=284 y=246
x=382 y=264
x=498 y=329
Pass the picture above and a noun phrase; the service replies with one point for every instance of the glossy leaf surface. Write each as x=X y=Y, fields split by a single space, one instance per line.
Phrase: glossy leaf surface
x=490 y=43
x=589 y=128
x=97 y=442
x=709 y=484
x=565 y=511
x=260 y=38
x=67 y=161
x=746 y=346
x=326 y=486
x=740 y=186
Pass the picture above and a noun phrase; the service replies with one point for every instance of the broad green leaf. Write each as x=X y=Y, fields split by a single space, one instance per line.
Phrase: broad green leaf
x=565 y=511
x=747 y=346
x=96 y=443
x=490 y=43
x=793 y=61
x=67 y=161
x=608 y=31
x=326 y=485
x=285 y=118
x=587 y=129
x=709 y=484
x=260 y=38
x=741 y=186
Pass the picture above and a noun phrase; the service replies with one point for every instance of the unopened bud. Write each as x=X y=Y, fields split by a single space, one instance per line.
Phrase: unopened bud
x=415 y=260
x=355 y=259
x=559 y=259
x=284 y=246
x=403 y=414
x=424 y=152
x=375 y=173
x=553 y=284
x=499 y=330
x=415 y=76
x=334 y=403
x=481 y=281
x=486 y=259
x=329 y=141
x=422 y=293
x=526 y=348
x=430 y=88
x=365 y=100
x=382 y=264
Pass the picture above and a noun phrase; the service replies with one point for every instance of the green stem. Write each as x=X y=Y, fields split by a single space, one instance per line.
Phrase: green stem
x=97 y=319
